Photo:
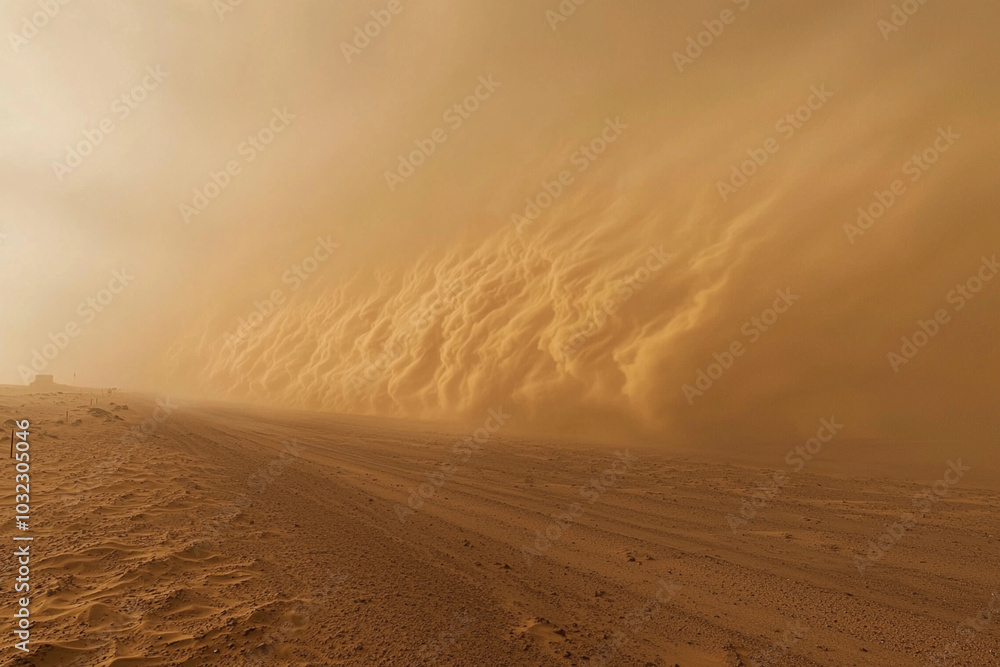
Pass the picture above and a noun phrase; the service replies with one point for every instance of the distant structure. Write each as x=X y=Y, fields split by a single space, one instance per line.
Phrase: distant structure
x=43 y=382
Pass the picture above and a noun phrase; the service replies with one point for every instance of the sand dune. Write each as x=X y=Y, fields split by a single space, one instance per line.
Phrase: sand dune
x=210 y=542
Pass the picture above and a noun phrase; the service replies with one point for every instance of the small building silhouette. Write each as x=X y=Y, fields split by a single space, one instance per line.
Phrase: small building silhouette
x=43 y=381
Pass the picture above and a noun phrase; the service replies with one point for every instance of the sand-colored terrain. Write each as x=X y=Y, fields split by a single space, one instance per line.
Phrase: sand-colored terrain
x=210 y=542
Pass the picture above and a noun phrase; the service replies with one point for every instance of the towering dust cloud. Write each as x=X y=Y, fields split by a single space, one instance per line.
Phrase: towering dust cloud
x=686 y=222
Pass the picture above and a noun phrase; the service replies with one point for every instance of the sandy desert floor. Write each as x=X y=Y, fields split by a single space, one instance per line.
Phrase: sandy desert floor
x=210 y=542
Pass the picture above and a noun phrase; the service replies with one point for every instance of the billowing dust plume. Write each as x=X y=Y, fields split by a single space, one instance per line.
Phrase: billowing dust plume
x=599 y=291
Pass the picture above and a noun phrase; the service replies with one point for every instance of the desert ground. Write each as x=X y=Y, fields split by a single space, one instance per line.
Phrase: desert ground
x=229 y=535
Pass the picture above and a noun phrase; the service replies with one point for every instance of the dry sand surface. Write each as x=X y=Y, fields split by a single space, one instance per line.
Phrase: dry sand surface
x=212 y=543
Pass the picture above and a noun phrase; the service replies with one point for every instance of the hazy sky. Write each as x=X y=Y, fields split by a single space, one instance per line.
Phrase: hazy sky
x=435 y=303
